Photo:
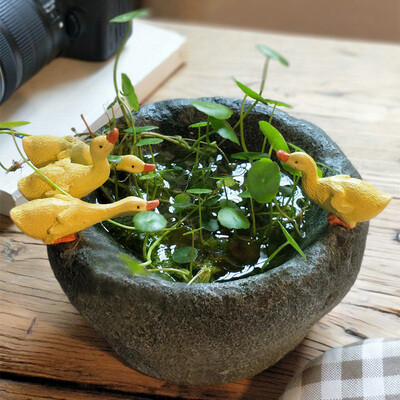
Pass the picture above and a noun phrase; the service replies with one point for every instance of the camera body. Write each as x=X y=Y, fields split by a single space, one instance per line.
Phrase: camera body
x=34 y=32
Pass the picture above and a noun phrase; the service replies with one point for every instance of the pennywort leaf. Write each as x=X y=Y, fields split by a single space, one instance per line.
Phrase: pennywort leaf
x=185 y=254
x=141 y=13
x=254 y=95
x=263 y=180
x=147 y=141
x=114 y=159
x=13 y=124
x=232 y=218
x=213 y=109
x=210 y=225
x=149 y=221
x=271 y=53
x=224 y=129
x=129 y=92
x=292 y=242
x=198 y=125
x=112 y=104
x=249 y=155
x=199 y=191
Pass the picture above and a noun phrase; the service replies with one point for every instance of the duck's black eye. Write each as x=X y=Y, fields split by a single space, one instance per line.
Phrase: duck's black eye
x=101 y=146
x=296 y=162
x=133 y=166
x=138 y=207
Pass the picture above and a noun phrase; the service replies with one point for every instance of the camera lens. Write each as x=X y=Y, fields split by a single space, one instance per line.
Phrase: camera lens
x=31 y=35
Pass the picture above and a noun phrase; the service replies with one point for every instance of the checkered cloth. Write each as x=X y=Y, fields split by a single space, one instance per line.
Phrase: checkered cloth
x=367 y=370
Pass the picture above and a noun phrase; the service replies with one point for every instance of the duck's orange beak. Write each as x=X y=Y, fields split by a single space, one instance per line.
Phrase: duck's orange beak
x=149 y=167
x=152 y=204
x=112 y=137
x=282 y=155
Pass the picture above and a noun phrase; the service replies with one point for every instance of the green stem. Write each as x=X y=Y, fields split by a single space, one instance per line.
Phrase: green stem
x=264 y=75
x=7 y=132
x=253 y=217
x=152 y=154
x=241 y=125
x=2 y=166
x=273 y=255
x=265 y=138
x=245 y=114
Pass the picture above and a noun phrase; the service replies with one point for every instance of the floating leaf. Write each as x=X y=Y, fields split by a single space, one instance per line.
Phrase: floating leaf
x=249 y=155
x=224 y=130
x=210 y=225
x=134 y=266
x=270 y=53
x=141 y=13
x=213 y=109
x=149 y=221
x=147 y=141
x=114 y=159
x=254 y=95
x=13 y=124
x=233 y=219
x=199 y=191
x=244 y=195
x=198 y=125
x=292 y=242
x=263 y=180
x=182 y=198
x=129 y=92
x=184 y=254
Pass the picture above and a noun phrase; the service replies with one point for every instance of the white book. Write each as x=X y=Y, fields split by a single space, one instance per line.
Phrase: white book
x=54 y=99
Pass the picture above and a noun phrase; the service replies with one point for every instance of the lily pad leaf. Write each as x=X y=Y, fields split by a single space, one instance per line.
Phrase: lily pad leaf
x=210 y=225
x=141 y=13
x=224 y=130
x=182 y=198
x=249 y=155
x=114 y=159
x=263 y=180
x=254 y=95
x=213 y=109
x=134 y=266
x=147 y=141
x=129 y=92
x=13 y=124
x=199 y=191
x=292 y=242
x=271 y=53
x=185 y=254
x=149 y=221
x=198 y=125
x=232 y=218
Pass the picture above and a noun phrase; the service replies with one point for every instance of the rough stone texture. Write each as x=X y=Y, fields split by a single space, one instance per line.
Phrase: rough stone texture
x=213 y=333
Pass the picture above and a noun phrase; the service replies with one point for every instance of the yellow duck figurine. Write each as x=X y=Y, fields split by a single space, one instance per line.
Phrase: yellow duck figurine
x=348 y=200
x=76 y=179
x=46 y=149
x=57 y=219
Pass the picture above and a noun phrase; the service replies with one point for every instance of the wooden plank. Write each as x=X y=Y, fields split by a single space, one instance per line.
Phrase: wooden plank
x=347 y=88
x=14 y=390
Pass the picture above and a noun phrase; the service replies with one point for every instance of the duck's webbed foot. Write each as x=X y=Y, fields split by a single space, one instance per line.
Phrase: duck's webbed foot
x=335 y=220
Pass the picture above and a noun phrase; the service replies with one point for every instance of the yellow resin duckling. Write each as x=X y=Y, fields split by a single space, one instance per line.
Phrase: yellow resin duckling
x=76 y=179
x=348 y=200
x=46 y=149
x=59 y=218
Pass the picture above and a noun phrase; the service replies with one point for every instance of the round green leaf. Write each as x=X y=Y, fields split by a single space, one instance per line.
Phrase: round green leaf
x=183 y=255
x=270 y=53
x=114 y=159
x=199 y=191
x=263 y=180
x=213 y=109
x=182 y=198
x=233 y=219
x=210 y=225
x=149 y=221
x=244 y=195
x=141 y=13
x=147 y=141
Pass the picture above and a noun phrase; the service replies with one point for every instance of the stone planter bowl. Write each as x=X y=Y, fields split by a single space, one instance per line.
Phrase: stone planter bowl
x=213 y=333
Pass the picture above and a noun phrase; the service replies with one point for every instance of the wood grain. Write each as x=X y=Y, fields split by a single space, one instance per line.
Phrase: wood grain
x=352 y=91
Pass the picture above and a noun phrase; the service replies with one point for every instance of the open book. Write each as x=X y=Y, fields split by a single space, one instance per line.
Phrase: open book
x=54 y=99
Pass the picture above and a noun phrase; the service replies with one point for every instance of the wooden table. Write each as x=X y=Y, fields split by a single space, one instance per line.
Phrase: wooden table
x=352 y=91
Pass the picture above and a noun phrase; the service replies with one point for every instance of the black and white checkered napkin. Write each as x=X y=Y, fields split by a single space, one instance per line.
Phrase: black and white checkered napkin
x=367 y=370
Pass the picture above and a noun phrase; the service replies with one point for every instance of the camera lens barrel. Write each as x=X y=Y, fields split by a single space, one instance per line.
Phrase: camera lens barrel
x=30 y=37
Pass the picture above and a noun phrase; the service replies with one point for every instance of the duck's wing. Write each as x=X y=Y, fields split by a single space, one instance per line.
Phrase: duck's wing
x=338 y=200
x=62 y=155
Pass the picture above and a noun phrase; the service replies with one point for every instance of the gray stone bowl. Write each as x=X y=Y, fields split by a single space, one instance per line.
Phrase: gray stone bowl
x=214 y=333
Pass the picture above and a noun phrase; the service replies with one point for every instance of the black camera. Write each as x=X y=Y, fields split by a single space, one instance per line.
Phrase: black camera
x=34 y=32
